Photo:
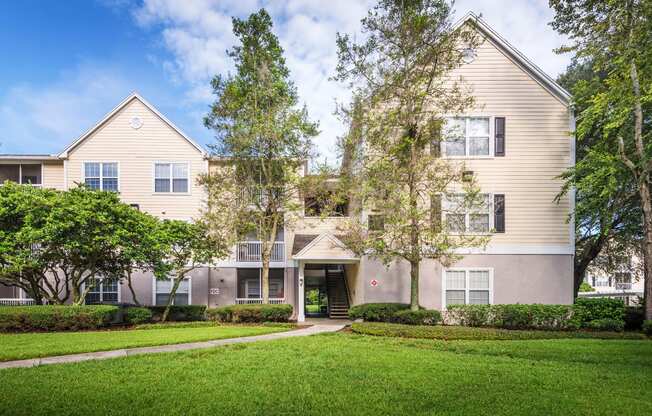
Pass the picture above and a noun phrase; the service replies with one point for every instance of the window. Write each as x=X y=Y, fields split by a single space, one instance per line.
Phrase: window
x=250 y=283
x=163 y=288
x=316 y=206
x=171 y=177
x=467 y=286
x=102 y=176
x=376 y=222
x=103 y=291
x=468 y=216
x=467 y=136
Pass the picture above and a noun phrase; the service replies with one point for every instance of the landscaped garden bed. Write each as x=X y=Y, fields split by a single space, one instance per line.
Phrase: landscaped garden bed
x=446 y=332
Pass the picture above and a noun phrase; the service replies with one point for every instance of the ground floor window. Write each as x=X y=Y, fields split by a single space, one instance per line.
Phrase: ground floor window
x=250 y=283
x=102 y=291
x=468 y=287
x=163 y=287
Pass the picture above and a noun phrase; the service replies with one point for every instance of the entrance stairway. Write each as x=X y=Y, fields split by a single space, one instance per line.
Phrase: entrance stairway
x=338 y=296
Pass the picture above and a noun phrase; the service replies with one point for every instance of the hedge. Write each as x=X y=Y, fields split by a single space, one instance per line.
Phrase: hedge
x=137 y=315
x=634 y=317
x=538 y=316
x=56 y=317
x=376 y=312
x=180 y=313
x=607 y=324
x=420 y=317
x=251 y=313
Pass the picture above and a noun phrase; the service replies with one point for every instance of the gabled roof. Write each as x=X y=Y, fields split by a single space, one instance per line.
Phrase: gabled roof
x=133 y=96
x=545 y=80
x=337 y=250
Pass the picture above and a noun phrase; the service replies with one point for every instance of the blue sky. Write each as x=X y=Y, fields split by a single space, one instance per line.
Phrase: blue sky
x=67 y=63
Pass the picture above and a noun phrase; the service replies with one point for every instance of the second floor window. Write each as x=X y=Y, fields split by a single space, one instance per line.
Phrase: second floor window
x=462 y=217
x=102 y=176
x=171 y=177
x=467 y=136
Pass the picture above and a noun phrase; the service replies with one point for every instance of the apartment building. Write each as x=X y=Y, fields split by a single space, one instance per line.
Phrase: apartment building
x=515 y=140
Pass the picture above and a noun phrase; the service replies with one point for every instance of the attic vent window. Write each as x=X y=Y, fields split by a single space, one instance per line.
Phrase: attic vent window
x=468 y=55
x=136 y=123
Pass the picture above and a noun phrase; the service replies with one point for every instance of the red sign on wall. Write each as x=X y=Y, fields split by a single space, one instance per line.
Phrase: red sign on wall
x=373 y=283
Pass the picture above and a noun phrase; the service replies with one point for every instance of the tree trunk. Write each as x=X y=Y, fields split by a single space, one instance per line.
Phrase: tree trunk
x=266 y=254
x=173 y=292
x=131 y=289
x=646 y=202
x=414 y=285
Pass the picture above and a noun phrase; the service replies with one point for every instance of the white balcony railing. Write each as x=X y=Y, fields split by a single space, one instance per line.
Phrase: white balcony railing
x=16 y=302
x=253 y=301
x=251 y=251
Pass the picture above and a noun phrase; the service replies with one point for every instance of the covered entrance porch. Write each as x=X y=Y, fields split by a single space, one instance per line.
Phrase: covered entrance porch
x=323 y=285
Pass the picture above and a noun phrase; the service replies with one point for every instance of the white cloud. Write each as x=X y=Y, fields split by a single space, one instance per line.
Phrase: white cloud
x=197 y=34
x=43 y=119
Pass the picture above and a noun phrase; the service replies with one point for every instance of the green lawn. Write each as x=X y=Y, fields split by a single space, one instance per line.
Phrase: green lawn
x=350 y=374
x=33 y=345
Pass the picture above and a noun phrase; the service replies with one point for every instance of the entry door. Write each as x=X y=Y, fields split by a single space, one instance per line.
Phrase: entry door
x=316 y=298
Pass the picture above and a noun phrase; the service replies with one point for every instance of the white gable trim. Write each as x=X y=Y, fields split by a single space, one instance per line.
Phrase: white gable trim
x=332 y=239
x=132 y=96
x=517 y=57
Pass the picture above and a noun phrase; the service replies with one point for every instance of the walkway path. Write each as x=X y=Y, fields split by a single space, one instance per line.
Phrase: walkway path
x=102 y=355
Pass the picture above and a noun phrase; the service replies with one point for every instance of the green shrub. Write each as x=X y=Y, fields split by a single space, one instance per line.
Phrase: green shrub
x=606 y=324
x=470 y=315
x=591 y=309
x=137 y=315
x=634 y=317
x=251 y=313
x=516 y=316
x=376 y=312
x=420 y=317
x=180 y=313
x=55 y=317
x=647 y=327
x=585 y=287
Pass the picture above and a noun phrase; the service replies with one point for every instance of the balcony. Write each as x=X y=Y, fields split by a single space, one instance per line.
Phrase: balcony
x=251 y=251
x=256 y=301
x=22 y=173
x=623 y=286
x=16 y=302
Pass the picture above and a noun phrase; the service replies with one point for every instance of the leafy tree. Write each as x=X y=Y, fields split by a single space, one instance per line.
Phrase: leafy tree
x=617 y=36
x=186 y=247
x=607 y=203
x=264 y=138
x=402 y=89
x=23 y=263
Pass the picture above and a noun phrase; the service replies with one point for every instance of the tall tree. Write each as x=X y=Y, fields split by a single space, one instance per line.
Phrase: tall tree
x=607 y=203
x=617 y=36
x=400 y=76
x=264 y=137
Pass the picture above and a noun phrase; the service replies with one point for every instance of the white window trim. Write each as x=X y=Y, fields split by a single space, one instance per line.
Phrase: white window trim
x=101 y=162
x=467 y=215
x=466 y=271
x=102 y=291
x=491 y=155
x=171 y=162
x=188 y=278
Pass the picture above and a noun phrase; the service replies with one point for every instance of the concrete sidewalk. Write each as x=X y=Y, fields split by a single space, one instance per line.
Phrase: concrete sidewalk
x=103 y=355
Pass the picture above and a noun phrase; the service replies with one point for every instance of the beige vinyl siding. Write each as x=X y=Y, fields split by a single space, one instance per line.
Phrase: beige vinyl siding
x=136 y=151
x=53 y=175
x=537 y=148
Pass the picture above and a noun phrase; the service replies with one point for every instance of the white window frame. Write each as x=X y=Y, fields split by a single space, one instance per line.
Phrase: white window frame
x=101 y=163
x=467 y=118
x=101 y=280
x=171 y=162
x=188 y=278
x=466 y=271
x=467 y=214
